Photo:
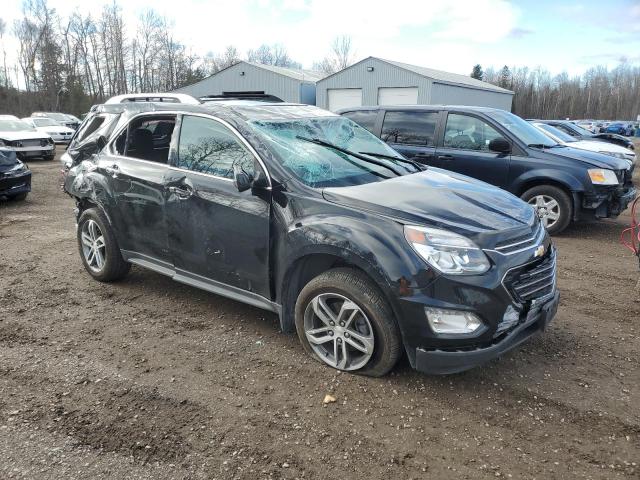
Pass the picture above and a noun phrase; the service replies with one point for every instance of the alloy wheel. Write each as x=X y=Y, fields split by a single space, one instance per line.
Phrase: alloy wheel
x=547 y=208
x=93 y=246
x=338 y=331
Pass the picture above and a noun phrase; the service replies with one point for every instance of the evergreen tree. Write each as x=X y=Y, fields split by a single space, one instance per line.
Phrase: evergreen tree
x=477 y=72
x=505 y=77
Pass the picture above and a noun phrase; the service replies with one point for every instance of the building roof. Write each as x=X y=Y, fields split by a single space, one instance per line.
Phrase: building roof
x=297 y=74
x=439 y=75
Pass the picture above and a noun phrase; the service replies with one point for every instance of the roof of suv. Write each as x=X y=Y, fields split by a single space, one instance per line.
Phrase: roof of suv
x=422 y=107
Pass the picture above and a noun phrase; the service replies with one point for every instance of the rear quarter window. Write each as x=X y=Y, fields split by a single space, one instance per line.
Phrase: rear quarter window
x=410 y=127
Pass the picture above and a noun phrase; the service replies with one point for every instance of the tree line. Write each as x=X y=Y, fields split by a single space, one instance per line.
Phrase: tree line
x=600 y=93
x=70 y=63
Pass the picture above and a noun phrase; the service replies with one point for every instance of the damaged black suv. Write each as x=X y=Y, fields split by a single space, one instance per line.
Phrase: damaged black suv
x=302 y=212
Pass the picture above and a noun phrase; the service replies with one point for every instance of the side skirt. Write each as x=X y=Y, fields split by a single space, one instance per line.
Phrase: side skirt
x=203 y=283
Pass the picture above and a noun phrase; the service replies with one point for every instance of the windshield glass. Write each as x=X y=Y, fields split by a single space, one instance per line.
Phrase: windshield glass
x=522 y=129
x=44 y=122
x=321 y=166
x=14 y=126
x=559 y=134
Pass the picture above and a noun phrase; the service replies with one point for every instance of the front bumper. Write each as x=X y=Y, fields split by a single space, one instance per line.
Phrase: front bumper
x=15 y=184
x=606 y=203
x=442 y=362
x=25 y=153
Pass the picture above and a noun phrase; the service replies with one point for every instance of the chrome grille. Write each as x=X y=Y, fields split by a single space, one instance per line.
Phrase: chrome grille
x=518 y=244
x=36 y=142
x=534 y=281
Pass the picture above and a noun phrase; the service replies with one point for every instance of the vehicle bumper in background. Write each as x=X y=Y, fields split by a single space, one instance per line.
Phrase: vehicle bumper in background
x=442 y=362
x=606 y=203
x=24 y=153
x=15 y=184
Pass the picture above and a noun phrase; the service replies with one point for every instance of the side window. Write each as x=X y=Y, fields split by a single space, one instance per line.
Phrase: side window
x=147 y=138
x=364 y=118
x=94 y=124
x=410 y=128
x=468 y=133
x=207 y=146
x=566 y=129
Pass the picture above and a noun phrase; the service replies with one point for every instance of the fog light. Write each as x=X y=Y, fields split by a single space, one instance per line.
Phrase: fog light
x=452 y=321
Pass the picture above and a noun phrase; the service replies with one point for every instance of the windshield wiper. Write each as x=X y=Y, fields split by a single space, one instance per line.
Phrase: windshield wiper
x=317 y=141
x=416 y=165
x=540 y=145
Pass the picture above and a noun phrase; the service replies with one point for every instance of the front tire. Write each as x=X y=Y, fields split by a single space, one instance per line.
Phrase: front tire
x=20 y=196
x=98 y=247
x=343 y=320
x=553 y=206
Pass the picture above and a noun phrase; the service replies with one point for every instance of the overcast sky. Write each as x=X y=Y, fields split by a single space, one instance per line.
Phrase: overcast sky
x=560 y=35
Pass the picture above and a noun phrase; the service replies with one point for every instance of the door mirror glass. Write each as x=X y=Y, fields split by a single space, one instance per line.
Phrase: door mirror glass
x=241 y=179
x=500 y=145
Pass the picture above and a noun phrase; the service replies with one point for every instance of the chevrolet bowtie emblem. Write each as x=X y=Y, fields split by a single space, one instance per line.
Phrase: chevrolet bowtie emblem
x=539 y=251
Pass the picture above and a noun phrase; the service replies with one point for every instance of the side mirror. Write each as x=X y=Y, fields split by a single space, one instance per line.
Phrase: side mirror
x=500 y=145
x=241 y=179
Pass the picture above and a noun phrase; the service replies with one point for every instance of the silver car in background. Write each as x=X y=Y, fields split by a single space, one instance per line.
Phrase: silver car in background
x=24 y=140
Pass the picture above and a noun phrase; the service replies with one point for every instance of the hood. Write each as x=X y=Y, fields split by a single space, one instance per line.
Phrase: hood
x=596 y=146
x=592 y=159
x=8 y=160
x=442 y=199
x=22 y=135
x=56 y=129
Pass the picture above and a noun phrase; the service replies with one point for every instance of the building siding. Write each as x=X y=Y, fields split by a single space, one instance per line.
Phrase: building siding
x=430 y=92
x=254 y=79
x=442 y=94
x=383 y=75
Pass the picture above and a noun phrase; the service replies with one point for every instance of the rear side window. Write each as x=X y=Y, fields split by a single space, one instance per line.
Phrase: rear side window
x=468 y=133
x=207 y=146
x=364 y=118
x=147 y=138
x=410 y=128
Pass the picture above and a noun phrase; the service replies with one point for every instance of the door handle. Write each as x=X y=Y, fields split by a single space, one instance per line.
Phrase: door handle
x=181 y=193
x=445 y=157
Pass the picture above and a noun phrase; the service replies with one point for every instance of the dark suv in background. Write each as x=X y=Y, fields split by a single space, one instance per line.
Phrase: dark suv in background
x=500 y=148
x=304 y=213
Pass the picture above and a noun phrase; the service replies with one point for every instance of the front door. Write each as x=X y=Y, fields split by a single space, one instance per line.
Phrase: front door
x=465 y=149
x=217 y=234
x=412 y=133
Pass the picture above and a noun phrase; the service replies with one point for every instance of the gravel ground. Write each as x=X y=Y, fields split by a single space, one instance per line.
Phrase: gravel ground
x=148 y=378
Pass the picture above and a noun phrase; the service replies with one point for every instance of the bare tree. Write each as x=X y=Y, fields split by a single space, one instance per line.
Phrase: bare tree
x=340 y=57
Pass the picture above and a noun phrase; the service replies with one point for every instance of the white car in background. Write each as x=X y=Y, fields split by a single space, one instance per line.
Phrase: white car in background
x=59 y=133
x=25 y=140
x=605 y=148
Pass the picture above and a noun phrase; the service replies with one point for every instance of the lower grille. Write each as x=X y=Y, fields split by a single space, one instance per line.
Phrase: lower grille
x=533 y=281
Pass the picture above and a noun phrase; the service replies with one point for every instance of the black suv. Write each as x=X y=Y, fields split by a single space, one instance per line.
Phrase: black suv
x=302 y=212
x=493 y=145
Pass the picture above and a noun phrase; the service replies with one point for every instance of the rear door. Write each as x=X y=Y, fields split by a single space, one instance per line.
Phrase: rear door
x=464 y=148
x=217 y=234
x=412 y=133
x=136 y=167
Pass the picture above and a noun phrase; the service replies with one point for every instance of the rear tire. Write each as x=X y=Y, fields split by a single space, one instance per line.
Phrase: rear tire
x=98 y=247
x=553 y=206
x=357 y=332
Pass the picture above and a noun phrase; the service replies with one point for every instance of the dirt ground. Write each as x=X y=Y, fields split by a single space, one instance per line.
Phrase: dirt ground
x=148 y=378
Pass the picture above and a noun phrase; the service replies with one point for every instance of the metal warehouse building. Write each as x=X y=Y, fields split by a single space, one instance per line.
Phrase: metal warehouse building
x=375 y=81
x=287 y=84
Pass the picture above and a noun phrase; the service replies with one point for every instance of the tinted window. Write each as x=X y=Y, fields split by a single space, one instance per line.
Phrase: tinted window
x=410 y=128
x=468 y=133
x=364 y=118
x=207 y=146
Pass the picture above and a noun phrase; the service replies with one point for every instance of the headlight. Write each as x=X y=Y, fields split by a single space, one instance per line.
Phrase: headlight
x=600 y=176
x=447 y=252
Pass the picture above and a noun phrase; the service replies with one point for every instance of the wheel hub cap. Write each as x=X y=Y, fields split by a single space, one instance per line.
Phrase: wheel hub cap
x=547 y=208
x=338 y=331
x=93 y=246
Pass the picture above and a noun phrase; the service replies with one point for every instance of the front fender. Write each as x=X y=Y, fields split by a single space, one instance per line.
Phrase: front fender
x=538 y=176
